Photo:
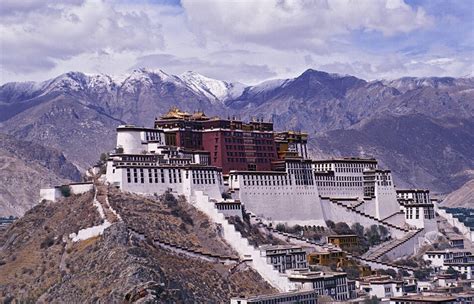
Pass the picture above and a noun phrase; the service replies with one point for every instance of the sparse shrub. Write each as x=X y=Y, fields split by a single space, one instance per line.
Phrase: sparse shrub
x=421 y=274
x=65 y=190
x=182 y=226
x=226 y=195
x=169 y=199
x=181 y=213
x=330 y=224
x=280 y=227
x=342 y=228
x=205 y=225
x=8 y=299
x=47 y=242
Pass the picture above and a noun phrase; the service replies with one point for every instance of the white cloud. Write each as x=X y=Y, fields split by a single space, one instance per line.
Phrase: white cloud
x=310 y=25
x=38 y=37
x=247 y=41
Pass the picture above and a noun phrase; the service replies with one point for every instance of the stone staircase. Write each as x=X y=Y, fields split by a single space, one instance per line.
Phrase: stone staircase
x=373 y=218
x=241 y=244
x=191 y=252
x=103 y=199
x=374 y=263
x=378 y=252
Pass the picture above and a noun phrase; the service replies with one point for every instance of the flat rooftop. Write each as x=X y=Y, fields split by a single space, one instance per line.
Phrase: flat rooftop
x=276 y=295
x=426 y=298
x=346 y=159
x=279 y=247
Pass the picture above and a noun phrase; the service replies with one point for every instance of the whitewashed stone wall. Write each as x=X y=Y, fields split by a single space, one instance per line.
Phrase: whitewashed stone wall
x=338 y=213
x=408 y=248
x=285 y=204
x=53 y=194
x=386 y=201
x=397 y=219
x=182 y=185
x=240 y=244
x=466 y=231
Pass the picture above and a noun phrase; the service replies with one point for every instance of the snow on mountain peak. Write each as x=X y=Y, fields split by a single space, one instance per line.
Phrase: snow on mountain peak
x=214 y=89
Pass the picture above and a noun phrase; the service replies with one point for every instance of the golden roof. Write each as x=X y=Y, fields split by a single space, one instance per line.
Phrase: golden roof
x=175 y=113
x=199 y=115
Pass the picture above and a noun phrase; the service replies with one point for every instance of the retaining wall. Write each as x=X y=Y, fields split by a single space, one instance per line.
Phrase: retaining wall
x=240 y=244
x=337 y=213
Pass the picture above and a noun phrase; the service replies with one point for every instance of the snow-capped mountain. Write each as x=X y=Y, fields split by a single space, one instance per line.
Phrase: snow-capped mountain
x=77 y=113
x=214 y=89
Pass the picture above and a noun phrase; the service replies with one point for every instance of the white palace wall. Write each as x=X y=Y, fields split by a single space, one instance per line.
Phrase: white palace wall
x=241 y=245
x=286 y=204
x=408 y=248
x=387 y=203
x=180 y=181
x=466 y=231
x=338 y=213
x=368 y=206
x=130 y=141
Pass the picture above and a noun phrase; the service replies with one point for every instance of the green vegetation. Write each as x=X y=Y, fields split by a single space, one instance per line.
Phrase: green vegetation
x=314 y=233
x=65 y=190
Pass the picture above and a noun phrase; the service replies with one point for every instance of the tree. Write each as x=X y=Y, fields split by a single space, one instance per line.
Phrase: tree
x=352 y=272
x=65 y=190
x=453 y=272
x=373 y=300
x=421 y=274
x=383 y=231
x=373 y=235
x=280 y=227
x=330 y=224
x=104 y=157
x=226 y=195
x=358 y=229
x=342 y=228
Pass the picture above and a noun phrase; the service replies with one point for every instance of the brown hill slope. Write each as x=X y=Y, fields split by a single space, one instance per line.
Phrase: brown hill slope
x=421 y=152
x=37 y=263
x=25 y=167
x=462 y=197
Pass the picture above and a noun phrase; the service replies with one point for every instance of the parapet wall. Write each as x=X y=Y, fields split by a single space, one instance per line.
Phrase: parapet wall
x=338 y=213
x=407 y=248
x=466 y=231
x=53 y=194
x=298 y=205
x=240 y=244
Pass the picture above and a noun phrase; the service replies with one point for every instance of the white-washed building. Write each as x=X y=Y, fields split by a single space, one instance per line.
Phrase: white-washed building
x=438 y=258
x=289 y=194
x=349 y=179
x=418 y=208
x=142 y=163
x=284 y=257
x=380 y=286
x=333 y=284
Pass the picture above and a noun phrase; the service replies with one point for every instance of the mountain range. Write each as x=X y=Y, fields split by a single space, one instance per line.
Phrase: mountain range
x=421 y=128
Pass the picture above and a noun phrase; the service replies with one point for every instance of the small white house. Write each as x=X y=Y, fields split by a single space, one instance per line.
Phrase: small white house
x=53 y=194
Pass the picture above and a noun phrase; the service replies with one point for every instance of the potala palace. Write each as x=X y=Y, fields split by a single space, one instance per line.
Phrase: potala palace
x=230 y=168
x=266 y=172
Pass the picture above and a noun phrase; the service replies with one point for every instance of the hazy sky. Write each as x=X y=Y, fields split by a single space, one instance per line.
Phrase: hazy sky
x=245 y=40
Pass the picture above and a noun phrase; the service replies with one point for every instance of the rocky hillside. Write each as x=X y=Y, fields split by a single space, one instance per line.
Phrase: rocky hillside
x=77 y=114
x=462 y=197
x=421 y=151
x=25 y=167
x=39 y=262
